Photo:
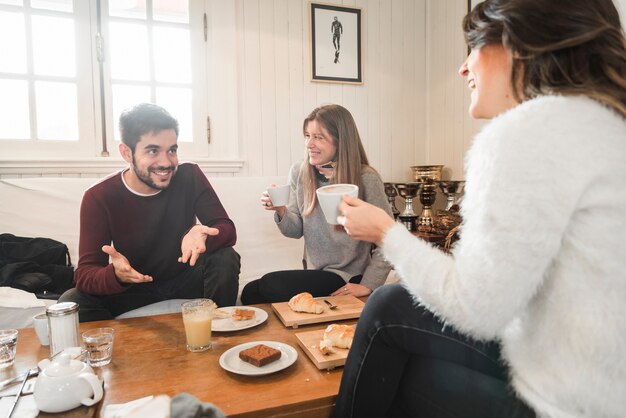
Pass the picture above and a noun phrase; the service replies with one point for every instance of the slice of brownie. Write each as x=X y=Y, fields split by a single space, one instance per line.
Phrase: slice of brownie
x=259 y=355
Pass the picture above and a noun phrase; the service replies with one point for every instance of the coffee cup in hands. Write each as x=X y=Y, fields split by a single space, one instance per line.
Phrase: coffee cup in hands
x=279 y=195
x=331 y=196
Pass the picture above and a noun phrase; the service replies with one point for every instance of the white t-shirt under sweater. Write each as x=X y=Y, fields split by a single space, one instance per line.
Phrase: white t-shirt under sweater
x=541 y=264
x=328 y=248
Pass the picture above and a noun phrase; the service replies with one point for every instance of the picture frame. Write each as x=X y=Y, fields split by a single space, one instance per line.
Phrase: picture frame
x=335 y=44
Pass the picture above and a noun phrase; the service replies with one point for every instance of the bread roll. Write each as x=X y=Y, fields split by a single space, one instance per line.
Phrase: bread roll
x=304 y=302
x=339 y=336
x=326 y=347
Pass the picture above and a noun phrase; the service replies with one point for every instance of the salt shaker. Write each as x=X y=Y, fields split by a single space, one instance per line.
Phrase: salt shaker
x=63 y=326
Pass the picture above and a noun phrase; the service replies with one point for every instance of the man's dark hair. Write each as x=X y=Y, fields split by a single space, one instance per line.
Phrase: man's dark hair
x=142 y=119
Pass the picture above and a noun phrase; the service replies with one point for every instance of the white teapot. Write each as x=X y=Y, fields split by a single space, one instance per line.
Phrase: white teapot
x=65 y=384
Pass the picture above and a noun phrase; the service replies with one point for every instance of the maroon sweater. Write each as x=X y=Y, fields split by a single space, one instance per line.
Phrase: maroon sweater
x=147 y=230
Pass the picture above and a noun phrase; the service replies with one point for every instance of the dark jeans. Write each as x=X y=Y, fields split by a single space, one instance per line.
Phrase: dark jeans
x=280 y=286
x=404 y=363
x=215 y=276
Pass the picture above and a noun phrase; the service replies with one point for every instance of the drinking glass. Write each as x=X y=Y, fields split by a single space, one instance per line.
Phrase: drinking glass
x=197 y=316
x=98 y=344
x=8 y=343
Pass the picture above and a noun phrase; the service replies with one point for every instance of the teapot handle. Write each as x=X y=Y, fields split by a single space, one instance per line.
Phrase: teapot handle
x=96 y=385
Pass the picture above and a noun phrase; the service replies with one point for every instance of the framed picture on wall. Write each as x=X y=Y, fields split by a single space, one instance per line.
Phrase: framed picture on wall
x=335 y=44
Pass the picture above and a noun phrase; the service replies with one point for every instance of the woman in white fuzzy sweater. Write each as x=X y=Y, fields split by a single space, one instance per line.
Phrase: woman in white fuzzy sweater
x=533 y=297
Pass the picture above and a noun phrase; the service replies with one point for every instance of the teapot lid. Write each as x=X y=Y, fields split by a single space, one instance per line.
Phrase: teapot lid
x=64 y=366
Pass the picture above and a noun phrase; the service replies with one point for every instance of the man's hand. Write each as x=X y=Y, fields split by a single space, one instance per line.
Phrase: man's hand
x=354 y=289
x=194 y=243
x=363 y=221
x=123 y=270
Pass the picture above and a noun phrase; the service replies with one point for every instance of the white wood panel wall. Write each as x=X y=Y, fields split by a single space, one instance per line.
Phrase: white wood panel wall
x=276 y=93
x=411 y=108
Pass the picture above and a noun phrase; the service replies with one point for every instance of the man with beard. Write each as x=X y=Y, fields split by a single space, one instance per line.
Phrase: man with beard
x=153 y=231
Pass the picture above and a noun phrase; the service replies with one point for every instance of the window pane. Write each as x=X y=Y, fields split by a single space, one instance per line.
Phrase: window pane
x=172 y=59
x=125 y=97
x=12 y=2
x=171 y=11
x=54 y=46
x=12 y=43
x=135 y=9
x=129 y=52
x=59 y=5
x=14 y=108
x=57 y=113
x=177 y=101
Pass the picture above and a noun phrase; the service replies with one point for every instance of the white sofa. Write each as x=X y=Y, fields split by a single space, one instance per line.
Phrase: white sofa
x=49 y=207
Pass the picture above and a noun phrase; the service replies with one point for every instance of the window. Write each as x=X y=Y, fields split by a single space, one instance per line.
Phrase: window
x=69 y=68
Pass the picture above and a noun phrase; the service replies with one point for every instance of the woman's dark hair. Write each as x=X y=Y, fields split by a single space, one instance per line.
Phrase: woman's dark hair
x=568 y=47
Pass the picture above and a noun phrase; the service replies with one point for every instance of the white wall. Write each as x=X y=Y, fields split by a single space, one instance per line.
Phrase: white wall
x=411 y=108
x=276 y=93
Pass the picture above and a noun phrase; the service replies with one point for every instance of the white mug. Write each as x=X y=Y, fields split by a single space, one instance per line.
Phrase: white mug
x=279 y=195
x=40 y=323
x=330 y=197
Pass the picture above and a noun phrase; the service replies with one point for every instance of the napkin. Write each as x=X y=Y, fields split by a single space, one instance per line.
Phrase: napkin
x=148 y=407
x=25 y=408
x=183 y=405
x=16 y=298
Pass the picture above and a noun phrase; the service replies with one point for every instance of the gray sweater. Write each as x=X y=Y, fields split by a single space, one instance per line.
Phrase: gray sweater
x=329 y=249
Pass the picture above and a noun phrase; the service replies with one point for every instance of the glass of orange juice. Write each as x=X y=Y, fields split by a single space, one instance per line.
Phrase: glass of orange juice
x=197 y=315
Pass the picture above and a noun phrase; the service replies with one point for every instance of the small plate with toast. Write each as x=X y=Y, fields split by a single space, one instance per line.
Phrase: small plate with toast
x=236 y=318
x=258 y=358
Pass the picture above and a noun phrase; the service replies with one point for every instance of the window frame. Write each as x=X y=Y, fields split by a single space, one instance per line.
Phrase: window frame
x=85 y=156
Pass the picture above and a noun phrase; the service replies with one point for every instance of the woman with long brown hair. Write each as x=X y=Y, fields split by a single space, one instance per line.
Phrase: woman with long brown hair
x=335 y=263
x=532 y=297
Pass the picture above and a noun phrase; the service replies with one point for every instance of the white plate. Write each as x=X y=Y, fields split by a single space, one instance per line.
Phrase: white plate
x=230 y=359
x=228 y=324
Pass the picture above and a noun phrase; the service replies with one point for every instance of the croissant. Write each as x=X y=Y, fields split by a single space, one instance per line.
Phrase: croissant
x=304 y=302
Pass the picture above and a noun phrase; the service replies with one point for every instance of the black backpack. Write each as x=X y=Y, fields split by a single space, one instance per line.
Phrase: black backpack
x=37 y=265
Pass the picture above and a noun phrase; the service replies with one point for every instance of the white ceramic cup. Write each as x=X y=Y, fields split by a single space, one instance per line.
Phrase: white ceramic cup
x=330 y=197
x=40 y=322
x=279 y=194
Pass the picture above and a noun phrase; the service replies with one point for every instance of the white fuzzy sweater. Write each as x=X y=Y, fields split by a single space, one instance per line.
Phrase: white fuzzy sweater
x=541 y=264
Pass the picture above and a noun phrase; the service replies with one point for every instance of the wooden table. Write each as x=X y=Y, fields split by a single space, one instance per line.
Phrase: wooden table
x=150 y=358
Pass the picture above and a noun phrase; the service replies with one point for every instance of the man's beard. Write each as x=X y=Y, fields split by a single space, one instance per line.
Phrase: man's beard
x=144 y=176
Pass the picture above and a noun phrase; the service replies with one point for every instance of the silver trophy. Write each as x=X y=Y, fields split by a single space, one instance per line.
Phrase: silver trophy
x=451 y=188
x=408 y=191
x=391 y=192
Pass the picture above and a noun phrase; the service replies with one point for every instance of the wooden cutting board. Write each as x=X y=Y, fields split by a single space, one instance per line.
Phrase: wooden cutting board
x=348 y=307
x=309 y=341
